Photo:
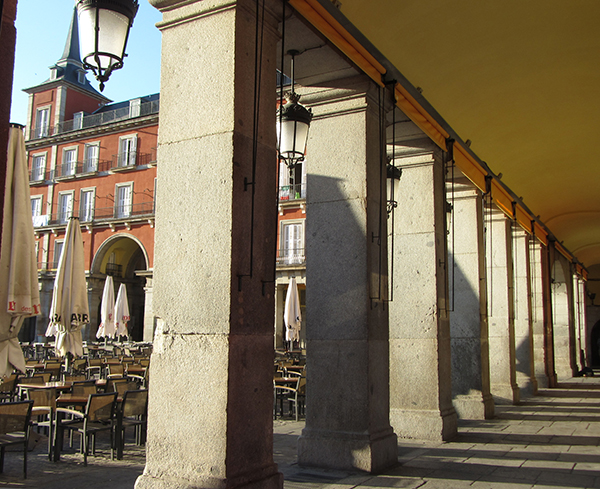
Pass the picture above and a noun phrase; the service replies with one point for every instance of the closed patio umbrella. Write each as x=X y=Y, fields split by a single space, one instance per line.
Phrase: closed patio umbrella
x=122 y=312
x=19 y=292
x=69 y=311
x=291 y=314
x=107 y=310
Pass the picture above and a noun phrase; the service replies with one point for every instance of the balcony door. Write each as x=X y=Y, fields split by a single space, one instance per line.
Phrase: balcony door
x=123 y=201
x=292 y=241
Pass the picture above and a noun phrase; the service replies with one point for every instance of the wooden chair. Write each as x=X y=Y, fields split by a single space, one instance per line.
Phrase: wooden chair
x=99 y=416
x=134 y=410
x=8 y=388
x=14 y=429
x=44 y=407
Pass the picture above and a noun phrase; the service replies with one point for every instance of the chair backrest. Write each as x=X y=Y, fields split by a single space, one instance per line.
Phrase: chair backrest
x=36 y=379
x=123 y=386
x=94 y=362
x=101 y=407
x=42 y=397
x=116 y=369
x=45 y=375
x=75 y=378
x=9 y=383
x=84 y=387
x=135 y=403
x=15 y=416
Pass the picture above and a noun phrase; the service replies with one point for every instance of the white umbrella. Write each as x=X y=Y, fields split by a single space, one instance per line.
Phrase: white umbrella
x=291 y=314
x=69 y=311
x=122 y=312
x=107 y=310
x=18 y=264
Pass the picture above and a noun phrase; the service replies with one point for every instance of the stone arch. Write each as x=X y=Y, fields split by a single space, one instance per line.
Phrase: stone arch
x=125 y=258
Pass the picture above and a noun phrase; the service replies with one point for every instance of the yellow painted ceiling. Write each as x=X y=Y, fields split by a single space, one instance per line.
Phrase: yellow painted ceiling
x=521 y=80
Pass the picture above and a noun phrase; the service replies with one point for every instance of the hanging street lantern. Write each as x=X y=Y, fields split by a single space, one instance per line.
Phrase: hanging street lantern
x=292 y=126
x=393 y=186
x=103 y=31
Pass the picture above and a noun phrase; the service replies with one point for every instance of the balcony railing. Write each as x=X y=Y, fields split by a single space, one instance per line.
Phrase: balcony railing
x=98 y=214
x=291 y=256
x=292 y=192
x=121 y=161
x=94 y=120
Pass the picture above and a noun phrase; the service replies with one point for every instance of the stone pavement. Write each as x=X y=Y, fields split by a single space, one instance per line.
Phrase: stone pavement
x=548 y=441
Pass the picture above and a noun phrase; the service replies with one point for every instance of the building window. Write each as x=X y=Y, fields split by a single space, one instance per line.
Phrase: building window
x=42 y=121
x=38 y=167
x=77 y=120
x=65 y=206
x=292 y=186
x=127 y=151
x=90 y=158
x=58 y=248
x=292 y=243
x=86 y=205
x=81 y=77
x=134 y=107
x=69 y=162
x=123 y=201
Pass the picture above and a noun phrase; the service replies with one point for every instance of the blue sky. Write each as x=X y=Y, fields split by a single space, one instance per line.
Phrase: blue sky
x=42 y=28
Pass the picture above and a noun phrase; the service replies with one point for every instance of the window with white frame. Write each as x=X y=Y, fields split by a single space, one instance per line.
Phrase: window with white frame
x=42 y=122
x=86 y=205
x=123 y=199
x=58 y=249
x=77 y=120
x=292 y=243
x=134 y=107
x=69 y=162
x=65 y=206
x=127 y=150
x=38 y=167
x=36 y=207
x=90 y=157
x=292 y=185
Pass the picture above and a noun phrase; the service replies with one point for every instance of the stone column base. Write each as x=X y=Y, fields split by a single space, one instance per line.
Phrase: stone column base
x=474 y=407
x=271 y=481
x=505 y=394
x=348 y=451
x=424 y=425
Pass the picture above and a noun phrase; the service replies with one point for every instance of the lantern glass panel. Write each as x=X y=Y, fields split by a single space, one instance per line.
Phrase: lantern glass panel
x=111 y=36
x=290 y=146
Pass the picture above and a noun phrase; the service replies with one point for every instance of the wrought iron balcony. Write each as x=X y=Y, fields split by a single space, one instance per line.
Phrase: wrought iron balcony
x=93 y=120
x=292 y=192
x=98 y=214
x=291 y=257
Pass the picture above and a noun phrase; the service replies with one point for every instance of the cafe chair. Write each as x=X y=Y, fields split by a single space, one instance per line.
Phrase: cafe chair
x=133 y=412
x=294 y=395
x=8 y=388
x=99 y=415
x=44 y=406
x=14 y=429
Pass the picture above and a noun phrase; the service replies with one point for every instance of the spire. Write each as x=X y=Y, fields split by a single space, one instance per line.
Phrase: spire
x=71 y=52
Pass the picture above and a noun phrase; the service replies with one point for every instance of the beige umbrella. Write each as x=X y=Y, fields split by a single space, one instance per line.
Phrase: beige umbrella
x=69 y=311
x=107 y=310
x=18 y=264
x=122 y=312
x=291 y=313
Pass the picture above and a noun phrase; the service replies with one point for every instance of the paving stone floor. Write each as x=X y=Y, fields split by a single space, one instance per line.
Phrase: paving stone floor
x=548 y=441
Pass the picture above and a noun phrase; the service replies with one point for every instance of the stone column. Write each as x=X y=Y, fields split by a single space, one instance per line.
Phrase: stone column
x=420 y=360
x=562 y=317
x=210 y=416
x=148 y=306
x=500 y=307
x=523 y=313
x=468 y=320
x=347 y=413
x=538 y=257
